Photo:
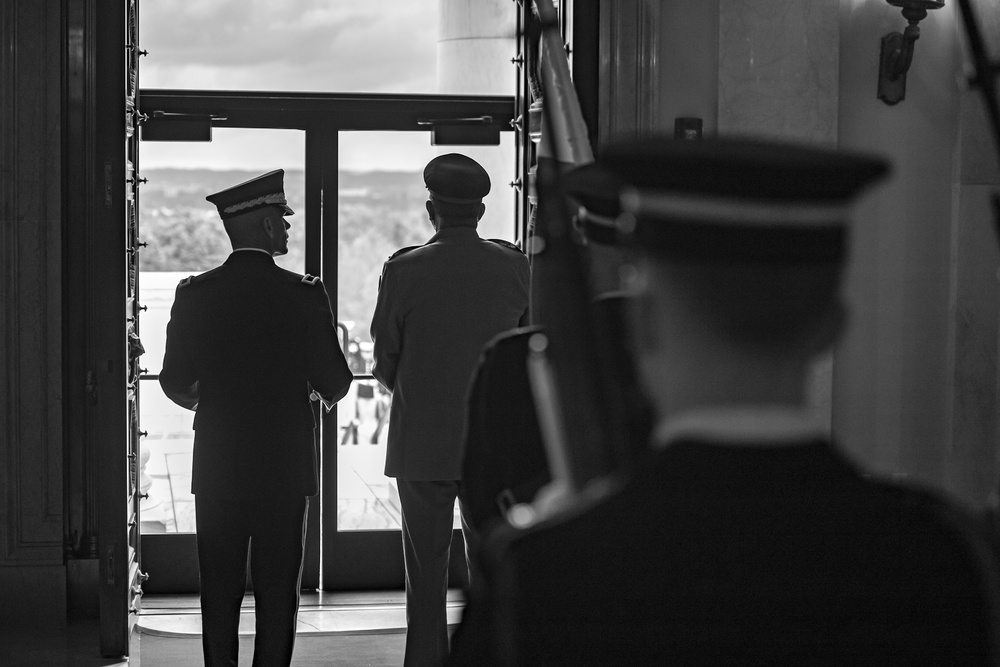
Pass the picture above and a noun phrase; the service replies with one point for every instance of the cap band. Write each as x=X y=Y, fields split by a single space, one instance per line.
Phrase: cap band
x=771 y=213
x=586 y=215
x=454 y=200
x=276 y=199
x=599 y=228
x=696 y=241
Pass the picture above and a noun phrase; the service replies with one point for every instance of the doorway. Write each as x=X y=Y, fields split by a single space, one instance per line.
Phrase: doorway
x=358 y=194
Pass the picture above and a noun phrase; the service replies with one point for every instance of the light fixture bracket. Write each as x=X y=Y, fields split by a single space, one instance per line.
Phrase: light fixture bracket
x=896 y=54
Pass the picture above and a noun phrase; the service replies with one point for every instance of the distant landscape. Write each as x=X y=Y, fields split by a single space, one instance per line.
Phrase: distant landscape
x=378 y=213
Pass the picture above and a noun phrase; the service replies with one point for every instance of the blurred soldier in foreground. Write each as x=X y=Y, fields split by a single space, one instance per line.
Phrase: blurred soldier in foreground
x=504 y=461
x=248 y=346
x=747 y=537
x=438 y=305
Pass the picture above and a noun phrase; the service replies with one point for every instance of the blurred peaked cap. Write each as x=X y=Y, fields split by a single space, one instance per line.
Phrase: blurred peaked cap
x=596 y=188
x=739 y=200
x=259 y=192
x=597 y=193
x=456 y=179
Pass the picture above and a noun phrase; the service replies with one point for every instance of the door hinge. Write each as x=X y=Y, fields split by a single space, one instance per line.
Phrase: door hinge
x=111 y=576
x=91 y=387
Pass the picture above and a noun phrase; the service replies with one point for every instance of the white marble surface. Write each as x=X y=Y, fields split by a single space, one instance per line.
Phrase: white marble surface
x=778 y=69
x=346 y=620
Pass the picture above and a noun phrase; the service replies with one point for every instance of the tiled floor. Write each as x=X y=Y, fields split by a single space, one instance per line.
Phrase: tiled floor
x=76 y=645
x=321 y=614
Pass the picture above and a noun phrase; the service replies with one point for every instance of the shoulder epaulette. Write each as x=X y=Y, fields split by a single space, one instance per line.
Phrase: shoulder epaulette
x=403 y=250
x=310 y=280
x=185 y=282
x=506 y=244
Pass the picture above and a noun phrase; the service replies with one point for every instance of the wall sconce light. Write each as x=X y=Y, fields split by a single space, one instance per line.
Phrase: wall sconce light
x=897 y=49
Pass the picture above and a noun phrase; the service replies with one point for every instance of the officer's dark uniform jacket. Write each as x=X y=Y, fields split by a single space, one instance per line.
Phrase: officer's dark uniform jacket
x=438 y=305
x=723 y=551
x=254 y=420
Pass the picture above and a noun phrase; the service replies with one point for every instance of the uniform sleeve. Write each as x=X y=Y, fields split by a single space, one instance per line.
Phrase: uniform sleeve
x=386 y=331
x=524 y=271
x=179 y=377
x=473 y=643
x=329 y=374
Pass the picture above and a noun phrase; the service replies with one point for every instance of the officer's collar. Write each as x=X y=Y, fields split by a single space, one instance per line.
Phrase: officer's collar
x=244 y=254
x=459 y=231
x=741 y=425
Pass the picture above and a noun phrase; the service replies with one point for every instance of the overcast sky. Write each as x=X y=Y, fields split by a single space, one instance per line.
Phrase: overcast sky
x=286 y=45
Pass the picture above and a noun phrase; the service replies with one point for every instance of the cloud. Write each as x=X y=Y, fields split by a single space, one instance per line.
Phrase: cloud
x=389 y=45
x=340 y=46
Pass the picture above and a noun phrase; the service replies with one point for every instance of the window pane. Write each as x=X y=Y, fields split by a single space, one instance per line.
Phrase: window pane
x=398 y=46
x=185 y=237
x=380 y=210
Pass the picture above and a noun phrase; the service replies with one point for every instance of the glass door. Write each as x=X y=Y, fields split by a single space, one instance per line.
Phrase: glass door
x=183 y=236
x=358 y=196
x=380 y=209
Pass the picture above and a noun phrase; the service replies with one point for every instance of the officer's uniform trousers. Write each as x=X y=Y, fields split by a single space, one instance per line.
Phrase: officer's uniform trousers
x=274 y=529
x=438 y=305
x=247 y=342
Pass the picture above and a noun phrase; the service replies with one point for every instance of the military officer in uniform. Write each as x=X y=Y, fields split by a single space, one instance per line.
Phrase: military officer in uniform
x=249 y=347
x=746 y=537
x=438 y=305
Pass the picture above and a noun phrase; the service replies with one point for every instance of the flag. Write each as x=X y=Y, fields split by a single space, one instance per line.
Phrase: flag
x=566 y=140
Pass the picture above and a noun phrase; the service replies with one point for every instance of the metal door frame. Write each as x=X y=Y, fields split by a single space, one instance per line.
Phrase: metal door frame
x=322 y=117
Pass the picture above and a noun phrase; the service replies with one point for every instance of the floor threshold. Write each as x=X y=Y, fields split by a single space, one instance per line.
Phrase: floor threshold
x=325 y=613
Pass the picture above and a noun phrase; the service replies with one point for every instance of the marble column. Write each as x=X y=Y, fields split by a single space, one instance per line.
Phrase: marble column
x=915 y=379
x=778 y=69
x=973 y=463
x=476 y=42
x=778 y=79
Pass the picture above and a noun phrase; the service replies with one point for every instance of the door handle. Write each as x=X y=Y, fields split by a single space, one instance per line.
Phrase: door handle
x=476 y=120
x=343 y=336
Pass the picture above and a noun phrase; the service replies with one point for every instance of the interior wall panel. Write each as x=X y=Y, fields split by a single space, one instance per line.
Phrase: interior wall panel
x=31 y=356
x=32 y=575
x=629 y=68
